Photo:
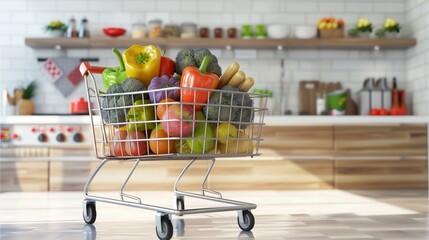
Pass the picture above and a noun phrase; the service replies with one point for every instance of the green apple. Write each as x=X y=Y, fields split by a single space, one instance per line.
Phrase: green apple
x=200 y=141
x=225 y=131
x=141 y=113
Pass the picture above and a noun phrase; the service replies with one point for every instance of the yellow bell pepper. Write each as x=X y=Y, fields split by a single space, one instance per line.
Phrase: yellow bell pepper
x=142 y=62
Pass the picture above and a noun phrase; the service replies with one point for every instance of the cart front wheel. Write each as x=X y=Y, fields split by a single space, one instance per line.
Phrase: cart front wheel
x=91 y=213
x=248 y=221
x=166 y=229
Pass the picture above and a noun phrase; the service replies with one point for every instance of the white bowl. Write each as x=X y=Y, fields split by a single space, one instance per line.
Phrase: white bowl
x=305 y=32
x=277 y=31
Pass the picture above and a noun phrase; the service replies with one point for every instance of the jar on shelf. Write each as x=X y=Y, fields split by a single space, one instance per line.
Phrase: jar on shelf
x=139 y=30
x=218 y=32
x=171 y=30
x=204 y=32
x=232 y=32
x=188 y=30
x=155 y=28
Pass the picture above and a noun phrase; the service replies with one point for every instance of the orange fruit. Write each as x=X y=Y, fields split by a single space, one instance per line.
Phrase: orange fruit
x=331 y=19
x=340 y=22
x=160 y=146
x=161 y=107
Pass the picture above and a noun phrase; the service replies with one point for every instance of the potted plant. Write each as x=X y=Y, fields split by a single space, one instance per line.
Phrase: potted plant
x=25 y=105
x=56 y=28
x=362 y=29
x=390 y=29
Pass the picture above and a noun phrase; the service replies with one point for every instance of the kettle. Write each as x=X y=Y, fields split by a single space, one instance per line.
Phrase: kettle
x=79 y=107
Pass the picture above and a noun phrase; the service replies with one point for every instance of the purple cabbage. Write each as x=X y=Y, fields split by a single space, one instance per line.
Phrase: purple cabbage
x=163 y=82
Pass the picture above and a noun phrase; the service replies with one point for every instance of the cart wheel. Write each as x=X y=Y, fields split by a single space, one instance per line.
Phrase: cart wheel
x=167 y=229
x=248 y=221
x=91 y=214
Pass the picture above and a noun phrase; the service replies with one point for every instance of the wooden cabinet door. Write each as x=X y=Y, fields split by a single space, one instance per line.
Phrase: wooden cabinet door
x=24 y=176
x=297 y=141
x=397 y=140
x=381 y=174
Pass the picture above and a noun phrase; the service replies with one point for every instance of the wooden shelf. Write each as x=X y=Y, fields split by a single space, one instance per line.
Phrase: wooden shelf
x=237 y=43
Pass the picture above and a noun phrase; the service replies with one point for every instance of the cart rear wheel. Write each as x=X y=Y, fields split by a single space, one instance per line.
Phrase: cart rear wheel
x=248 y=221
x=91 y=213
x=167 y=229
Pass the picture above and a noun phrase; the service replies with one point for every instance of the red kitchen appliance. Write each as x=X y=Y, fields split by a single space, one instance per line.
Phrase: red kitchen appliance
x=79 y=107
x=399 y=106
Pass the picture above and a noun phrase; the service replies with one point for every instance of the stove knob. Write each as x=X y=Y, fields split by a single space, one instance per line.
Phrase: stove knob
x=77 y=137
x=60 y=137
x=15 y=136
x=42 y=137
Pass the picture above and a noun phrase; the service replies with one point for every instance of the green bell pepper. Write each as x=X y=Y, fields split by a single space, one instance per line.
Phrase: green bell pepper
x=115 y=74
x=141 y=116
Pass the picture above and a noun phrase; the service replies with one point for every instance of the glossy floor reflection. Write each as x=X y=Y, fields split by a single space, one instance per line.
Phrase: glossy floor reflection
x=280 y=215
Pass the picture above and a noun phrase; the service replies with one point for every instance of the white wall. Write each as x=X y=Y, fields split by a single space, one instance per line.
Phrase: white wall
x=417 y=19
x=26 y=18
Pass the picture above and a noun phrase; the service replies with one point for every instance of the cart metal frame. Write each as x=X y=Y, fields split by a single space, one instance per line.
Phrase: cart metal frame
x=163 y=215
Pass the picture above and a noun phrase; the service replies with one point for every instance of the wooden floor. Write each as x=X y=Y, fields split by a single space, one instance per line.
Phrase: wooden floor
x=321 y=214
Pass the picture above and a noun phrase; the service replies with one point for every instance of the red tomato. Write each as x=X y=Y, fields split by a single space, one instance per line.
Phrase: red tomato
x=384 y=111
x=136 y=148
x=119 y=148
x=167 y=67
x=375 y=111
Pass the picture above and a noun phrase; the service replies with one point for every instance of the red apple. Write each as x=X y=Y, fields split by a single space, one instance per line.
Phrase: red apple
x=119 y=148
x=177 y=120
x=136 y=148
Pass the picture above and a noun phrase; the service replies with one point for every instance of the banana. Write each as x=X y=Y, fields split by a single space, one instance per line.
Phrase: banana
x=237 y=79
x=247 y=84
x=228 y=74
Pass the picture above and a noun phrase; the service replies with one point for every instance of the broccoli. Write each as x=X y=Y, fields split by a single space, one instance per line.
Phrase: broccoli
x=118 y=113
x=230 y=105
x=193 y=57
x=133 y=85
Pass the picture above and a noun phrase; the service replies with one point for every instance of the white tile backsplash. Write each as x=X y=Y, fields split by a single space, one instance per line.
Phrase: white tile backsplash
x=26 y=18
x=418 y=57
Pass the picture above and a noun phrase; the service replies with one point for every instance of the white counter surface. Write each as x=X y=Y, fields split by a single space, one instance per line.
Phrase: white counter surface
x=269 y=120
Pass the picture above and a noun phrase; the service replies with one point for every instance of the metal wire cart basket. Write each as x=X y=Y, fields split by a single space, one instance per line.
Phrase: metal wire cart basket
x=127 y=126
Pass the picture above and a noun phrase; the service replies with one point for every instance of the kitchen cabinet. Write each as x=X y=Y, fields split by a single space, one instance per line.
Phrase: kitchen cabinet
x=297 y=141
x=362 y=156
x=235 y=43
x=24 y=176
x=393 y=140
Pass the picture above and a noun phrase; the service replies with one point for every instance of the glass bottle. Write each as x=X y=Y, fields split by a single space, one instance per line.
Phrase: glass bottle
x=83 y=28
x=71 y=28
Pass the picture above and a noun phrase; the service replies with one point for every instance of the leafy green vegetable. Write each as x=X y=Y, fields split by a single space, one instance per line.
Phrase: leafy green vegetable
x=194 y=57
x=231 y=105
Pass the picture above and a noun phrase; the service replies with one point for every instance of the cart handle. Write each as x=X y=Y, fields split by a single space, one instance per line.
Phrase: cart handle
x=85 y=67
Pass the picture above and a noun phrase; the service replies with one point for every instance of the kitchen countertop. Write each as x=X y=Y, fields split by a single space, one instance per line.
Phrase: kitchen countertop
x=269 y=120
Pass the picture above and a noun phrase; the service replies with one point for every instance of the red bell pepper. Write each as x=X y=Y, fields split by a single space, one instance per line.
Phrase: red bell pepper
x=167 y=67
x=193 y=77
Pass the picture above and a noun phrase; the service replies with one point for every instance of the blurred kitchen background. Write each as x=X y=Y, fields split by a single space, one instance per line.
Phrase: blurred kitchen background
x=20 y=19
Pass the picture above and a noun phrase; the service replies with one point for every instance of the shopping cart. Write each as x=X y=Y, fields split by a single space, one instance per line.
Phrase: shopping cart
x=120 y=134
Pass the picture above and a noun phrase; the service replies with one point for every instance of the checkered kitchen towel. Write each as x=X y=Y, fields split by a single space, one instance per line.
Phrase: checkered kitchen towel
x=63 y=73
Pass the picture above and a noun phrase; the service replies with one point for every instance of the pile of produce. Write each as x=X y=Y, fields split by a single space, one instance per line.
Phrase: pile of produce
x=158 y=105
